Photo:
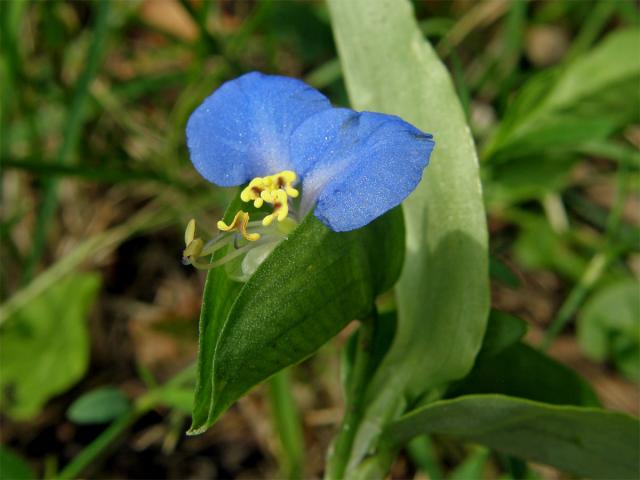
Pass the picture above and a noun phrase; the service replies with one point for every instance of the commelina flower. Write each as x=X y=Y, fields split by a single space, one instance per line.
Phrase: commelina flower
x=295 y=153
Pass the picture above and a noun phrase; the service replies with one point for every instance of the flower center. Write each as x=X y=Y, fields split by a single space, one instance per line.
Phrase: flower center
x=274 y=190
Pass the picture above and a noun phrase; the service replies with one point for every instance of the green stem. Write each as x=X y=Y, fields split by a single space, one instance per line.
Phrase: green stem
x=591 y=28
x=591 y=275
x=106 y=438
x=598 y=264
x=424 y=456
x=143 y=405
x=343 y=443
x=287 y=423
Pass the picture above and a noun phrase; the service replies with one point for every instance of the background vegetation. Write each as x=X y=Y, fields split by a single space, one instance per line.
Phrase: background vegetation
x=99 y=318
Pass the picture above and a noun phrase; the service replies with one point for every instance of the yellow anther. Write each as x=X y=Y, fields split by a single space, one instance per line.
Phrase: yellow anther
x=190 y=232
x=239 y=223
x=194 y=248
x=280 y=208
x=253 y=192
x=267 y=195
x=193 y=245
x=284 y=181
x=273 y=189
x=261 y=189
x=292 y=192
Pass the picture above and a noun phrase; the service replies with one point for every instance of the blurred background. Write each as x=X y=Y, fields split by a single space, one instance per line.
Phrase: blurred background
x=99 y=317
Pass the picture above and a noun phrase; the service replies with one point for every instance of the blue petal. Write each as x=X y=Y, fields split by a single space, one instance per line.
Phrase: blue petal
x=242 y=130
x=357 y=165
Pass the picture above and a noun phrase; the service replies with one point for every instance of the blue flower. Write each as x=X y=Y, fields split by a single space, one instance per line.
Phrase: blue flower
x=280 y=136
x=353 y=166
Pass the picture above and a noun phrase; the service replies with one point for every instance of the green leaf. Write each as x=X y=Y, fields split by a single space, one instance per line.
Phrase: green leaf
x=538 y=247
x=522 y=371
x=305 y=292
x=560 y=133
x=609 y=327
x=582 y=101
x=45 y=345
x=14 y=467
x=179 y=398
x=613 y=61
x=443 y=292
x=472 y=467
x=384 y=330
x=286 y=421
x=218 y=296
x=503 y=330
x=526 y=178
x=501 y=272
x=585 y=441
x=99 y=406
x=424 y=456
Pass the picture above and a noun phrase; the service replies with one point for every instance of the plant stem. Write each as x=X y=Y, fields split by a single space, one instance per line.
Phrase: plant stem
x=82 y=461
x=343 y=443
x=423 y=455
x=598 y=264
x=591 y=28
x=143 y=405
x=287 y=423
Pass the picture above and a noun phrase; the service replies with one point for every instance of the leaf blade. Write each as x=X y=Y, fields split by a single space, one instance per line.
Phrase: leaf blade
x=301 y=326
x=443 y=289
x=54 y=326
x=99 y=406
x=585 y=441
x=305 y=292
x=522 y=371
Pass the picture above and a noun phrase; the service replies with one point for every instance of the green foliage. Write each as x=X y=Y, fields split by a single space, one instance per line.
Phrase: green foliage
x=99 y=406
x=377 y=347
x=308 y=289
x=424 y=456
x=584 y=441
x=553 y=109
x=561 y=133
x=559 y=113
x=503 y=330
x=501 y=272
x=608 y=65
x=507 y=366
x=522 y=371
x=443 y=289
x=71 y=138
x=538 y=247
x=287 y=422
x=473 y=466
x=13 y=466
x=45 y=345
x=609 y=327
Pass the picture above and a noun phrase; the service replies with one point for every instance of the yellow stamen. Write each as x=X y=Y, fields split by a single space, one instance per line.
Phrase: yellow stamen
x=284 y=181
x=193 y=245
x=239 y=223
x=190 y=232
x=194 y=248
x=280 y=208
x=262 y=189
x=273 y=189
x=253 y=191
